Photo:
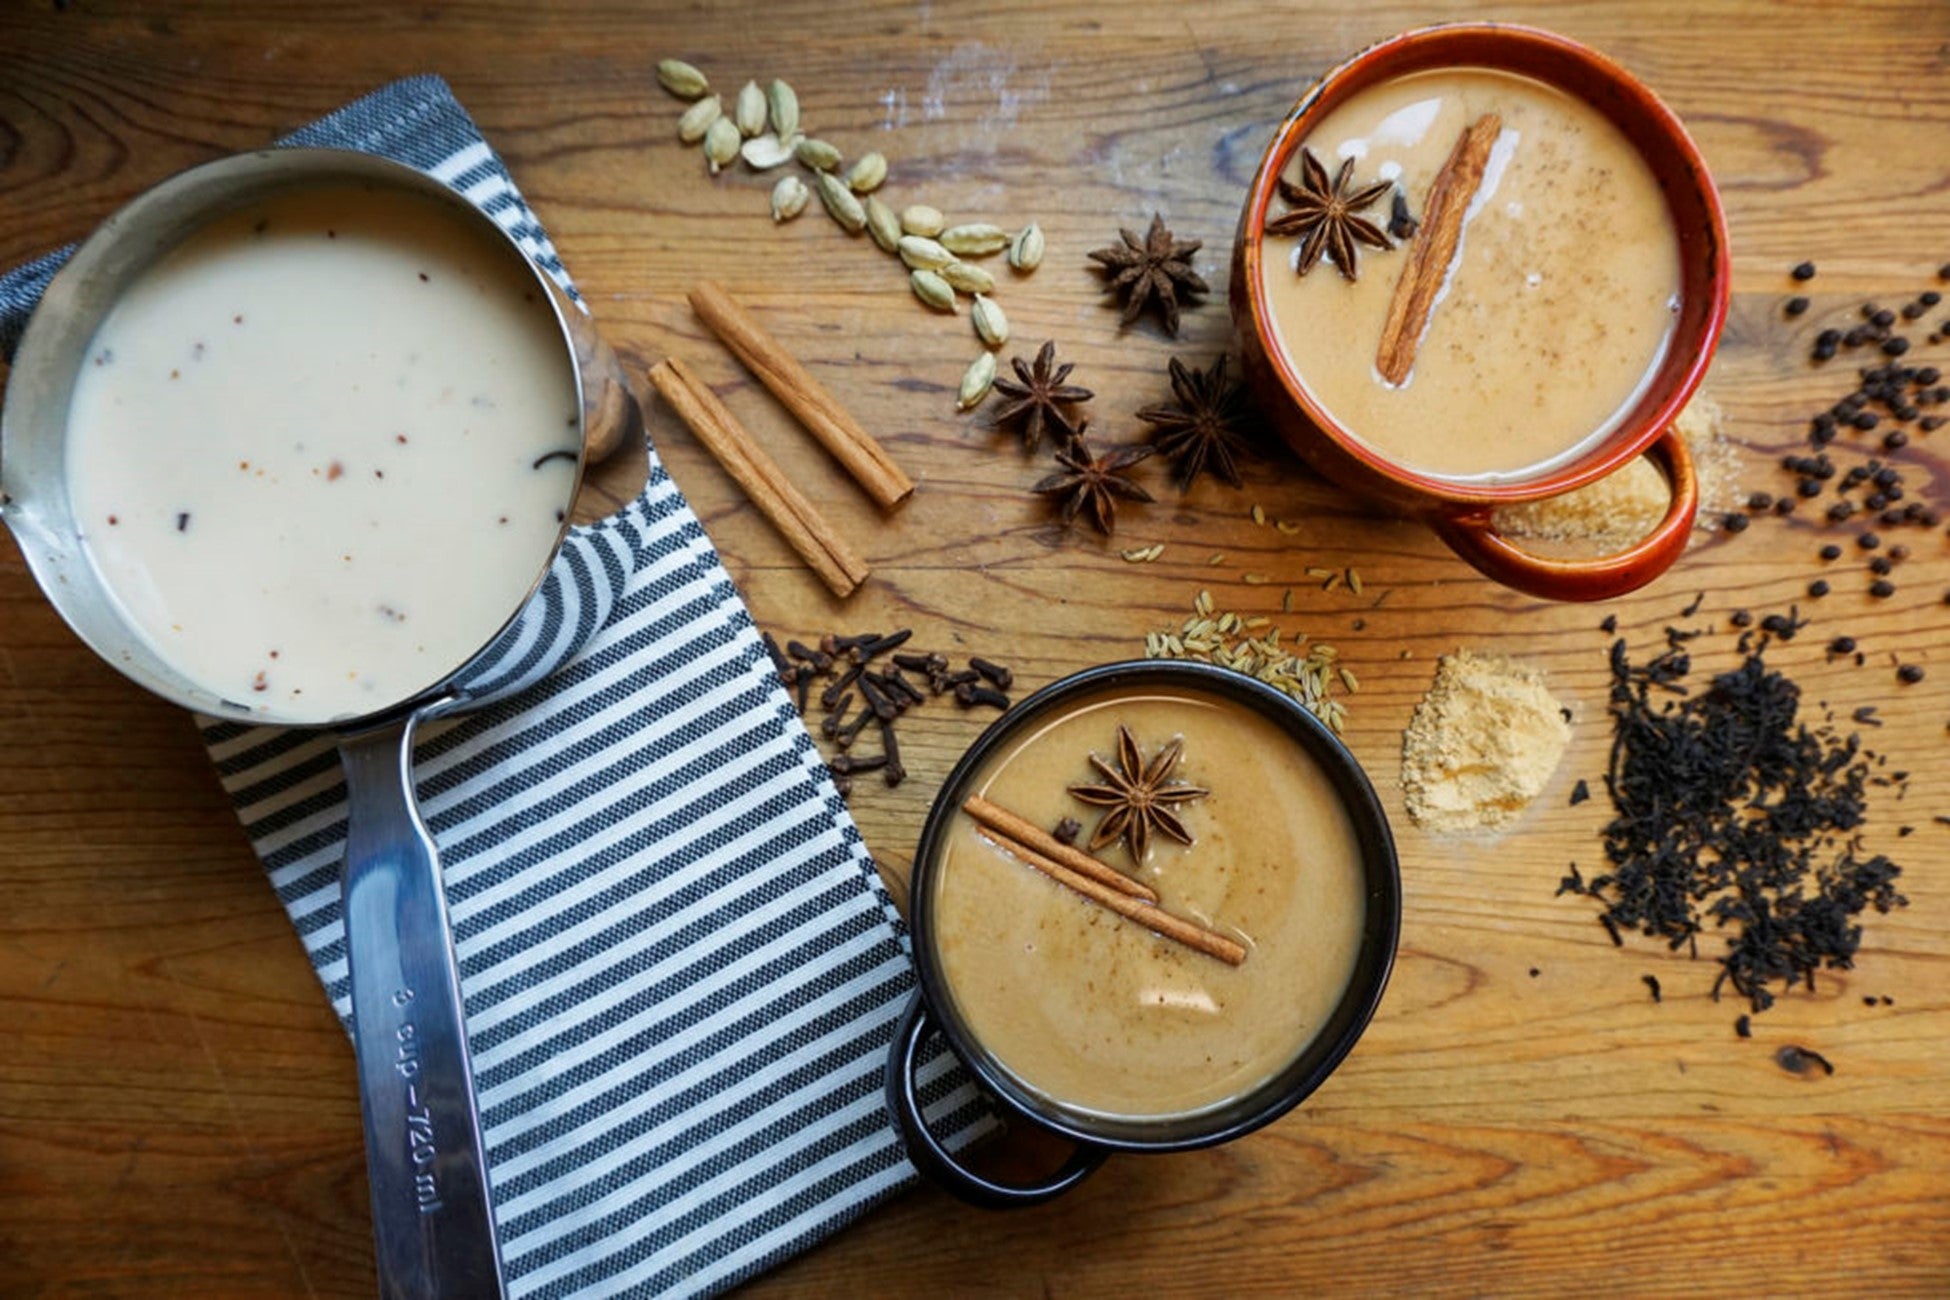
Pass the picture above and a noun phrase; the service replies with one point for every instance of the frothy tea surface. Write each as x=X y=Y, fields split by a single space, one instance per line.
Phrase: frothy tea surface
x=313 y=449
x=1097 y=1012
x=1558 y=306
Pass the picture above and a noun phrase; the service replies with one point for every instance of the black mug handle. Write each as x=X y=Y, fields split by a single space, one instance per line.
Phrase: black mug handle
x=935 y=1161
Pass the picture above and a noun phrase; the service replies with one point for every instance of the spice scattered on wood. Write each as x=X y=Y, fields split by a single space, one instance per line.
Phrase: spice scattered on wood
x=816 y=409
x=1730 y=809
x=1092 y=482
x=1580 y=792
x=1652 y=983
x=1303 y=669
x=1153 y=271
x=1325 y=216
x=872 y=668
x=1799 y=1060
x=1482 y=744
x=1203 y=427
x=1040 y=398
x=823 y=549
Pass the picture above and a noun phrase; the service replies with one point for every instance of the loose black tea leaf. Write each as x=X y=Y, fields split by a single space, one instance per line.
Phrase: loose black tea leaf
x=1730 y=810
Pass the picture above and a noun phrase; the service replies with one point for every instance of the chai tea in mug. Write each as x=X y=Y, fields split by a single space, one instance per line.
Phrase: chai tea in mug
x=1098 y=1013
x=1545 y=316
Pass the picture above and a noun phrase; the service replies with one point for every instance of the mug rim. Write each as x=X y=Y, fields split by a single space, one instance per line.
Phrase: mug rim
x=1424 y=49
x=1317 y=1059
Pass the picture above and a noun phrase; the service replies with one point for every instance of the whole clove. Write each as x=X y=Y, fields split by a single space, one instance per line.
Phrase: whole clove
x=829 y=726
x=969 y=694
x=891 y=750
x=999 y=677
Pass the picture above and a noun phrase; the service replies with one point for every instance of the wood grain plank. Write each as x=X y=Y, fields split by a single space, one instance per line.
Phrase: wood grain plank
x=177 y=1113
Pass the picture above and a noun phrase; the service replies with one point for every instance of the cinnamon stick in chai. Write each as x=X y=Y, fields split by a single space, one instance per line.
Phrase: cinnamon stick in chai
x=1005 y=823
x=825 y=552
x=1147 y=914
x=815 y=408
x=1434 y=247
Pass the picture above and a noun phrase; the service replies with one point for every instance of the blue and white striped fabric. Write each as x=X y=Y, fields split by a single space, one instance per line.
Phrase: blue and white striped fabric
x=680 y=968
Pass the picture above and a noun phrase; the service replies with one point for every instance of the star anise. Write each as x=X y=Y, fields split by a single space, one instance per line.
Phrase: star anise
x=1139 y=796
x=1041 y=396
x=1155 y=269
x=1088 y=480
x=1323 y=216
x=1203 y=429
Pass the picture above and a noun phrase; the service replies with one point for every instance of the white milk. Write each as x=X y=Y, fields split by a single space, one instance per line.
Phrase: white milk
x=303 y=449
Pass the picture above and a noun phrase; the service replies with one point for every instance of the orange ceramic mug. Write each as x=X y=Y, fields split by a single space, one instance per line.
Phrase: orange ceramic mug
x=1460 y=511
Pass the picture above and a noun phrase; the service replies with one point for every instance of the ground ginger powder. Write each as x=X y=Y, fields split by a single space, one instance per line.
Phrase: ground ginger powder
x=1482 y=744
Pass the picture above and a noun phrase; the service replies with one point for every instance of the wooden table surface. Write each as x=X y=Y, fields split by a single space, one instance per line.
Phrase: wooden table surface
x=177 y=1110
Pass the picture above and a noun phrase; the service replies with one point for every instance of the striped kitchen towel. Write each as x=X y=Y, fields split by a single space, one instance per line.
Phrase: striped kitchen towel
x=680 y=968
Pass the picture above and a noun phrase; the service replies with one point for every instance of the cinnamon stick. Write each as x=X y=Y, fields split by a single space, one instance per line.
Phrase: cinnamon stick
x=815 y=408
x=1149 y=915
x=824 y=551
x=1003 y=822
x=1434 y=247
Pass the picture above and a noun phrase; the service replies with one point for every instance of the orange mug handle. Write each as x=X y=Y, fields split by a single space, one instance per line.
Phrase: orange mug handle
x=1473 y=536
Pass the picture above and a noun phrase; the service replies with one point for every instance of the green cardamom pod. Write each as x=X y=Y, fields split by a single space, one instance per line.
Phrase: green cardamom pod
x=789 y=198
x=681 y=79
x=749 y=112
x=920 y=219
x=968 y=279
x=991 y=326
x=697 y=119
x=931 y=289
x=1026 y=252
x=721 y=143
x=975 y=382
x=883 y=225
x=865 y=175
x=923 y=254
x=785 y=110
x=818 y=155
x=842 y=203
x=976 y=239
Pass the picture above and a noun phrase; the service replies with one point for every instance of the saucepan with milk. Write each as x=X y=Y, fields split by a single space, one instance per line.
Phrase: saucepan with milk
x=293 y=439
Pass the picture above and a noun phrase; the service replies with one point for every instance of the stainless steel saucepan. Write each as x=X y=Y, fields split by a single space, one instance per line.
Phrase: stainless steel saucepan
x=431 y=1203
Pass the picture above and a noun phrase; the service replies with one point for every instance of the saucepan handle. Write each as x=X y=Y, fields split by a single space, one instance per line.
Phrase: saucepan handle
x=433 y=1220
x=932 y=1157
x=1473 y=536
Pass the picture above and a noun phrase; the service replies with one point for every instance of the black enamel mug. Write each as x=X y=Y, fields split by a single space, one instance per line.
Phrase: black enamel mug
x=1097 y=1136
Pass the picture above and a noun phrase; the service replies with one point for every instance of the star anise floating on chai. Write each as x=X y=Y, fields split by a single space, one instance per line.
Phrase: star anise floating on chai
x=1325 y=216
x=1093 y=483
x=1156 y=270
x=1204 y=427
x=1139 y=795
x=1039 y=399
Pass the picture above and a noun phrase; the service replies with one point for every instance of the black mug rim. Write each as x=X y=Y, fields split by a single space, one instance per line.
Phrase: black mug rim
x=1381 y=930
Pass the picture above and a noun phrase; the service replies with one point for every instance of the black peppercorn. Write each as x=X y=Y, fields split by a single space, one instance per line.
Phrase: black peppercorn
x=1882 y=588
x=1842 y=645
x=1760 y=501
x=1831 y=552
x=1795 y=306
x=1929 y=298
x=1819 y=587
x=1882 y=316
x=1880 y=565
x=1910 y=673
x=1840 y=511
x=1891 y=517
x=1734 y=523
x=1809 y=487
x=1741 y=618
x=1899 y=553
x=1785 y=506
x=1806 y=271
x=1895 y=440
x=1865 y=420
x=1874 y=501
x=1895 y=347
